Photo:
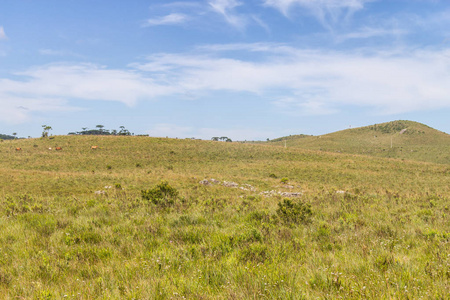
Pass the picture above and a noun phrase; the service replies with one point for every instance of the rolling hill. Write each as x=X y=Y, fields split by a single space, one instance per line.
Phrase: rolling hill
x=158 y=218
x=398 y=139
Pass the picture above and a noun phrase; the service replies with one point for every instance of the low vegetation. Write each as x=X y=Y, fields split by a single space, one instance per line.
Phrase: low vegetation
x=399 y=139
x=135 y=219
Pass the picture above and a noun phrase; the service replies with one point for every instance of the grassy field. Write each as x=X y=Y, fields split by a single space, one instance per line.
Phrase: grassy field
x=398 y=139
x=131 y=220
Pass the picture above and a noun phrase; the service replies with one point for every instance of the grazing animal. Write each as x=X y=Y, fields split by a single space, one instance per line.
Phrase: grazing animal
x=58 y=148
x=18 y=149
x=94 y=147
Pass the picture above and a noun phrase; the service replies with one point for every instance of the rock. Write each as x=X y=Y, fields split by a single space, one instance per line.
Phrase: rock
x=205 y=182
x=230 y=184
x=290 y=195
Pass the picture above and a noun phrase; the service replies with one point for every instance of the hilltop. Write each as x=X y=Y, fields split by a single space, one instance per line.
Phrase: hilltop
x=398 y=139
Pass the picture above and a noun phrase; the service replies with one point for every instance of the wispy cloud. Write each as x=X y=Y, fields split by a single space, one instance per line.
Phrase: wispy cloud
x=50 y=87
x=17 y=109
x=2 y=33
x=372 y=32
x=400 y=81
x=308 y=104
x=301 y=81
x=248 y=47
x=328 y=12
x=171 y=19
x=226 y=8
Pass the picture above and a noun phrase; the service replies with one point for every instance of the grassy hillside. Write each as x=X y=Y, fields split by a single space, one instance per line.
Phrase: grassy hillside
x=409 y=140
x=277 y=223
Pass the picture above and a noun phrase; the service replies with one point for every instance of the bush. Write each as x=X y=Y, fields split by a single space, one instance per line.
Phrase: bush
x=162 y=194
x=294 y=212
x=284 y=180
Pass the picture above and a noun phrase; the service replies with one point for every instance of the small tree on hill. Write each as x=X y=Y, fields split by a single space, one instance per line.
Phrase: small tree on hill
x=123 y=131
x=45 y=131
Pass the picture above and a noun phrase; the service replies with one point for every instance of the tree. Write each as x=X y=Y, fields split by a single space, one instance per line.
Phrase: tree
x=14 y=134
x=100 y=127
x=215 y=138
x=124 y=131
x=45 y=131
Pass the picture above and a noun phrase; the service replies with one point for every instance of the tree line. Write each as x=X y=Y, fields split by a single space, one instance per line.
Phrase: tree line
x=99 y=130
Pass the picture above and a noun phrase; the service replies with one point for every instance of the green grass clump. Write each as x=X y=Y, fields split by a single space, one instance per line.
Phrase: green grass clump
x=294 y=212
x=163 y=194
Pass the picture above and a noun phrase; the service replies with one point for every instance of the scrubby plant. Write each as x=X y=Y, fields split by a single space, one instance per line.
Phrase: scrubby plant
x=291 y=212
x=284 y=180
x=162 y=194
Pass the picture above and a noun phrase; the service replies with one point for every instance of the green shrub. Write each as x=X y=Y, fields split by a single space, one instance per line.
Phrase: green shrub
x=162 y=194
x=294 y=212
x=284 y=180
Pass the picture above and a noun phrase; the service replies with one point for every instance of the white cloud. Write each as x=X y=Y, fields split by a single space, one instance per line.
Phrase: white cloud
x=319 y=81
x=250 y=47
x=371 y=32
x=48 y=88
x=2 y=33
x=16 y=109
x=305 y=105
x=326 y=11
x=226 y=9
x=301 y=81
x=171 y=19
x=52 y=52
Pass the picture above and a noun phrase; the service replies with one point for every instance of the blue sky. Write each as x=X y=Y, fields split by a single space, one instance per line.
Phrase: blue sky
x=249 y=70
